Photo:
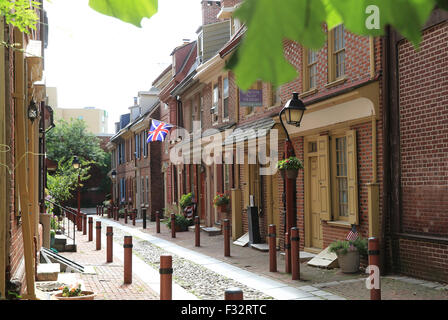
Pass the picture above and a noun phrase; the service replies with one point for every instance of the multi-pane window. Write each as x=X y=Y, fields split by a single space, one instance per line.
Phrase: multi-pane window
x=339 y=50
x=137 y=146
x=145 y=144
x=226 y=177
x=215 y=99
x=311 y=68
x=121 y=153
x=341 y=176
x=225 y=94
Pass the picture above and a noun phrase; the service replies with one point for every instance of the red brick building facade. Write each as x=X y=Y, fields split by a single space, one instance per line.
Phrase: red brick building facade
x=418 y=135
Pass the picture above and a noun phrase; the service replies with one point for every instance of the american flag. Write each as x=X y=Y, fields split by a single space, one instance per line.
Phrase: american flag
x=353 y=234
x=158 y=131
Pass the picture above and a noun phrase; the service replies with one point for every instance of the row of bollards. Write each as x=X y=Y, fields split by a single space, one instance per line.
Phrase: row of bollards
x=166 y=270
x=166 y=263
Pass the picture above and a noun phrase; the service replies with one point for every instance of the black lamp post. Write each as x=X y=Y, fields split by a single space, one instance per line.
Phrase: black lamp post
x=76 y=166
x=293 y=111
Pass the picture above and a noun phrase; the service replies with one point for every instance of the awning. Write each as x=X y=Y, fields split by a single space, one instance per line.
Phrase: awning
x=253 y=130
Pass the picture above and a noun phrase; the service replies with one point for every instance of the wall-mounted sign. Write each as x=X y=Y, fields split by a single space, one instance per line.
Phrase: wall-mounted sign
x=251 y=98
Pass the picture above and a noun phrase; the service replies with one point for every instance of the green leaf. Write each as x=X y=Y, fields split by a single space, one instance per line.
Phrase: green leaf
x=268 y=22
x=261 y=54
x=406 y=16
x=131 y=11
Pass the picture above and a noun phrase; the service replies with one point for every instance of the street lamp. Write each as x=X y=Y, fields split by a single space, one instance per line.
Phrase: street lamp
x=76 y=166
x=75 y=162
x=33 y=112
x=293 y=111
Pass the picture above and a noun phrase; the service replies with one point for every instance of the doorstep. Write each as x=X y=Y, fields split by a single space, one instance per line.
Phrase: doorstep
x=260 y=246
x=304 y=256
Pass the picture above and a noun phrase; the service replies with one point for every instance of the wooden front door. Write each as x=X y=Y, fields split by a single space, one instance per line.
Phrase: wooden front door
x=315 y=225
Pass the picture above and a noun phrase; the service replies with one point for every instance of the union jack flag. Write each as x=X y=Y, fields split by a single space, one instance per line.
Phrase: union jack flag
x=158 y=131
x=353 y=234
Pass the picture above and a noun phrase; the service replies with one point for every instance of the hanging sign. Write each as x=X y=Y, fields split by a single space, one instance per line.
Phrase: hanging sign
x=251 y=98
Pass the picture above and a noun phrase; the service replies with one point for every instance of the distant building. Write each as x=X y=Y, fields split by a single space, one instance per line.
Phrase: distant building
x=96 y=119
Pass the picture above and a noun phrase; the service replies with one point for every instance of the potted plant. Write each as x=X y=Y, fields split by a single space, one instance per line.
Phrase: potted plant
x=348 y=253
x=186 y=200
x=74 y=293
x=180 y=223
x=221 y=201
x=290 y=166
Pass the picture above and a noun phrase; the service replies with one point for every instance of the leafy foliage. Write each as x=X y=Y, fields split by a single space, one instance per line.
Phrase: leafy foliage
x=185 y=200
x=290 y=163
x=179 y=220
x=131 y=11
x=20 y=13
x=69 y=139
x=270 y=23
x=221 y=199
x=72 y=291
x=343 y=246
x=65 y=180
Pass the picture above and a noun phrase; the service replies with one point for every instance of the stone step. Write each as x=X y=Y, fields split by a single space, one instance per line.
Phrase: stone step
x=193 y=228
x=212 y=231
x=243 y=240
x=304 y=256
x=60 y=239
x=325 y=259
x=48 y=271
x=260 y=246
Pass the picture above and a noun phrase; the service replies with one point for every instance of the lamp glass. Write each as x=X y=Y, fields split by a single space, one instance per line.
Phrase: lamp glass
x=75 y=163
x=294 y=116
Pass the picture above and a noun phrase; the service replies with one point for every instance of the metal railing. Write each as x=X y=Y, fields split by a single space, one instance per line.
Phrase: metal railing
x=69 y=220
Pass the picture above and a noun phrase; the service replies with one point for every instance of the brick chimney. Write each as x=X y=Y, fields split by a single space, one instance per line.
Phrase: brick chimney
x=210 y=10
x=229 y=3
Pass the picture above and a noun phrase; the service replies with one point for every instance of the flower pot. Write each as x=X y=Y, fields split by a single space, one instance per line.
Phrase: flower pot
x=349 y=262
x=180 y=228
x=87 y=295
x=292 y=173
x=222 y=208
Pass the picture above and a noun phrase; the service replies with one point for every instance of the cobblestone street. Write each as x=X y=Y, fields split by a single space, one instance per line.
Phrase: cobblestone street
x=205 y=283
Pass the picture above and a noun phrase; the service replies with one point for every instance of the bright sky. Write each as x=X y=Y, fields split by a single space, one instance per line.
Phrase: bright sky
x=96 y=60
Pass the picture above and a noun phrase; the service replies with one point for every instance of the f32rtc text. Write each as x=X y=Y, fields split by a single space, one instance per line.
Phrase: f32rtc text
x=245 y=309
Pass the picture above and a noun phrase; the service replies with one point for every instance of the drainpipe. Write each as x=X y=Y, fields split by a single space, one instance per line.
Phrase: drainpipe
x=386 y=155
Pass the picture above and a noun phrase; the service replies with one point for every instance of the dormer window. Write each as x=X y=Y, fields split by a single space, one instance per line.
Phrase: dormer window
x=200 y=46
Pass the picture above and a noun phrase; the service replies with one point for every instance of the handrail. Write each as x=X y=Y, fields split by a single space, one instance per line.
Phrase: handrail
x=72 y=217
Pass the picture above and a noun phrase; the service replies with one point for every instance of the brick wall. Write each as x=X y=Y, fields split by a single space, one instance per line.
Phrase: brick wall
x=14 y=268
x=210 y=10
x=423 y=80
x=424 y=132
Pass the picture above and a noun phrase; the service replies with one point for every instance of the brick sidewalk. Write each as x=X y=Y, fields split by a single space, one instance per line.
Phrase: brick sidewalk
x=107 y=283
x=350 y=286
